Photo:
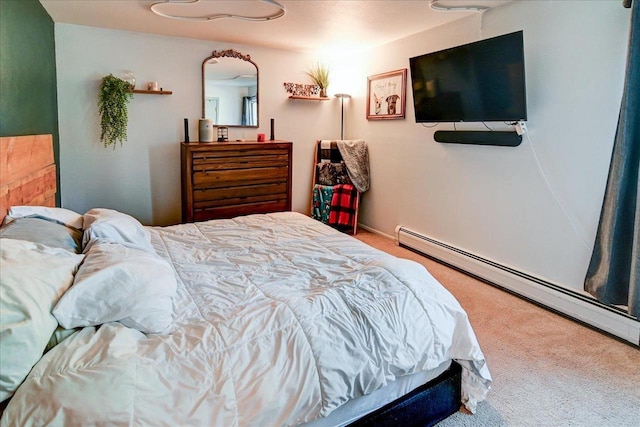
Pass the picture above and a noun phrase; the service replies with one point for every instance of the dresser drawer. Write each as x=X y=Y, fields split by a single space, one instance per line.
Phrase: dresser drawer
x=237 y=192
x=219 y=161
x=231 y=210
x=239 y=177
x=237 y=201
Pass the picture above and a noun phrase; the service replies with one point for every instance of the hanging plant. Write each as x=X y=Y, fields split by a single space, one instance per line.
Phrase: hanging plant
x=320 y=76
x=113 y=98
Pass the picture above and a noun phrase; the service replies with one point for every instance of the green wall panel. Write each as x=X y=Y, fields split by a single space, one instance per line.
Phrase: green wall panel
x=28 y=99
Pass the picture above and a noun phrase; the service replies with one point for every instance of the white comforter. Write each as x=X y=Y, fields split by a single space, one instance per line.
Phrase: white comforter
x=278 y=320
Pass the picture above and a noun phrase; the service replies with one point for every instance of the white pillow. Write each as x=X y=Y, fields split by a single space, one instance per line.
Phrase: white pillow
x=32 y=279
x=65 y=216
x=116 y=227
x=116 y=283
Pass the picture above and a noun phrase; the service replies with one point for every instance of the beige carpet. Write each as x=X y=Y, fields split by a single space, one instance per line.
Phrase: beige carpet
x=547 y=370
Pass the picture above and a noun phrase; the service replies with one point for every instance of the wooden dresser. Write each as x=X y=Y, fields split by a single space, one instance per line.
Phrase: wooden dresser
x=227 y=179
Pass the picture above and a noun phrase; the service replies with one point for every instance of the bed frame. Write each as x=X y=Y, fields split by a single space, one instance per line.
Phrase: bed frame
x=425 y=406
x=27 y=172
x=28 y=177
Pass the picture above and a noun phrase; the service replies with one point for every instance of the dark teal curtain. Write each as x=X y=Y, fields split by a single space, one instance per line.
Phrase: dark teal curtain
x=613 y=276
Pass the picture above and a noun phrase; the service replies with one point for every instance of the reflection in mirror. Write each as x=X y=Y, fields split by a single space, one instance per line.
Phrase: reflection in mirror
x=230 y=89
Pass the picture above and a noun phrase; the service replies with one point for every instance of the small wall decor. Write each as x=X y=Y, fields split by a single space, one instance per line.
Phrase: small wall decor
x=386 y=95
x=113 y=97
x=130 y=77
x=320 y=76
x=297 y=89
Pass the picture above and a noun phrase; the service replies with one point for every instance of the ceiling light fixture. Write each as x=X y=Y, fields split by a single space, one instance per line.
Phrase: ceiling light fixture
x=154 y=8
x=436 y=5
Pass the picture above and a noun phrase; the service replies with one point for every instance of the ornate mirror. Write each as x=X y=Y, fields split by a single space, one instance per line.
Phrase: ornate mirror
x=230 y=89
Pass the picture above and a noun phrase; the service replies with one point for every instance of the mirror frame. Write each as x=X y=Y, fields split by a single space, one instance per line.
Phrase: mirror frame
x=231 y=53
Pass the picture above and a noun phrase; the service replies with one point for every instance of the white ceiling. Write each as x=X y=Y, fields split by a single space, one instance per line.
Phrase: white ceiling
x=312 y=25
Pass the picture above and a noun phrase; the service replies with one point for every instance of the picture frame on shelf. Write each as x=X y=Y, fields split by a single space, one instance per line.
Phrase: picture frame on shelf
x=386 y=95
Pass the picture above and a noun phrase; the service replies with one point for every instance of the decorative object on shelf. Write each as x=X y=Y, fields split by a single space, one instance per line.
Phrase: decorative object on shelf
x=186 y=130
x=386 y=95
x=320 y=76
x=302 y=90
x=153 y=86
x=342 y=97
x=223 y=134
x=273 y=129
x=113 y=97
x=205 y=130
x=261 y=137
x=130 y=77
x=275 y=15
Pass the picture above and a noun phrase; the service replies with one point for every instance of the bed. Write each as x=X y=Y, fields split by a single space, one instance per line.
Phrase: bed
x=259 y=320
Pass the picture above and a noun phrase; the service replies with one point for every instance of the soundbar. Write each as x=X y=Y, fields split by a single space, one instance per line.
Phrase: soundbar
x=504 y=139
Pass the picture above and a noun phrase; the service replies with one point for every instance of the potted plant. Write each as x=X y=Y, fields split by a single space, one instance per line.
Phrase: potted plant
x=113 y=98
x=320 y=76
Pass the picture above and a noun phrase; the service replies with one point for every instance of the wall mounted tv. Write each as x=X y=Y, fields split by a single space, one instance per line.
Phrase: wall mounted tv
x=477 y=82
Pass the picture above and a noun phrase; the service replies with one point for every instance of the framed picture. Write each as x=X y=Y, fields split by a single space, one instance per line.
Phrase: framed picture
x=386 y=95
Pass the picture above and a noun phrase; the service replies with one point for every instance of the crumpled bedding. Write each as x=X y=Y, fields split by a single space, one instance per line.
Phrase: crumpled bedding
x=279 y=320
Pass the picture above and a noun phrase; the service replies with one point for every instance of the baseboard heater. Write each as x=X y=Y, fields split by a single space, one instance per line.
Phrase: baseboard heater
x=549 y=295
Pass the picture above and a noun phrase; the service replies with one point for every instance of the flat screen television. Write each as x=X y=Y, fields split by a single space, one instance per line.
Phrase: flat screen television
x=477 y=82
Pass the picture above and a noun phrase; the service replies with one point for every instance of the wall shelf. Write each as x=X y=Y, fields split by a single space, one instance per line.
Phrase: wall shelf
x=152 y=92
x=310 y=98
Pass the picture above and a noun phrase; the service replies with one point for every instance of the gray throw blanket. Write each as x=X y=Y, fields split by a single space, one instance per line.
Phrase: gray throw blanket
x=356 y=157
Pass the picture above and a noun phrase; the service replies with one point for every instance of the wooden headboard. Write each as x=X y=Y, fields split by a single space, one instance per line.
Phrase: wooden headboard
x=27 y=172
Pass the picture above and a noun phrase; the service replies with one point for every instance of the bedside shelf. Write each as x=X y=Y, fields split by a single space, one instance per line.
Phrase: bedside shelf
x=310 y=98
x=152 y=92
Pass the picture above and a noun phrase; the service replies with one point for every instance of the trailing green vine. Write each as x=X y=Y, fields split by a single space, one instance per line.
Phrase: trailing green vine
x=113 y=98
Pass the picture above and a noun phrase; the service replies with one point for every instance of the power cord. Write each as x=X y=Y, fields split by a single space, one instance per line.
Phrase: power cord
x=574 y=226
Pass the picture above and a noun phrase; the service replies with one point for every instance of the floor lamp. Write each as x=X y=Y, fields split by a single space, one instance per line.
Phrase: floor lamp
x=342 y=97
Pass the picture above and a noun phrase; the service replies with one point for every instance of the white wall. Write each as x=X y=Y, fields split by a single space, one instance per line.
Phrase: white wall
x=495 y=201
x=142 y=177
